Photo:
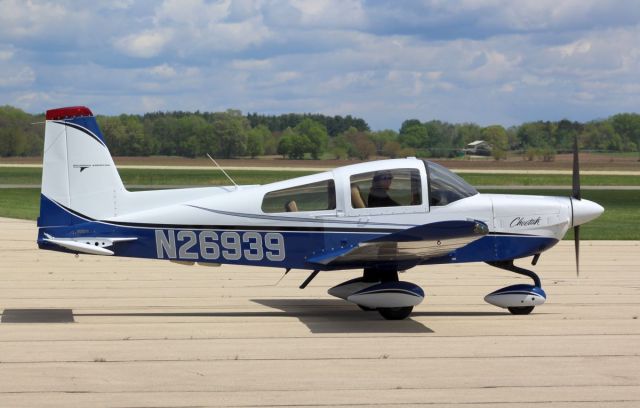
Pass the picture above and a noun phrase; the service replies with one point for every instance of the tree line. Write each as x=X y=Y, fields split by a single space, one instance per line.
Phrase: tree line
x=296 y=136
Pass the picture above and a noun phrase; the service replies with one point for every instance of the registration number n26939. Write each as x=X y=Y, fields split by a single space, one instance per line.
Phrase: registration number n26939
x=212 y=245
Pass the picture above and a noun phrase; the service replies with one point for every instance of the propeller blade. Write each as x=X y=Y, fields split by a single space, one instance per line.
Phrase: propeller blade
x=576 y=170
x=576 y=194
x=576 y=239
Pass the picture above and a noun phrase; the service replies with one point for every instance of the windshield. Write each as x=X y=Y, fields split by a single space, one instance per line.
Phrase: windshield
x=445 y=186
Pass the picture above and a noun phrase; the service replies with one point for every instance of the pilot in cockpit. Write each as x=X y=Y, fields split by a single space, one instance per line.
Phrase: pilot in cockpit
x=379 y=192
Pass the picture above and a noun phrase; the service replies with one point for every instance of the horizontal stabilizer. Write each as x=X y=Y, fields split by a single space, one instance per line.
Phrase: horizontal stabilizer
x=414 y=244
x=87 y=245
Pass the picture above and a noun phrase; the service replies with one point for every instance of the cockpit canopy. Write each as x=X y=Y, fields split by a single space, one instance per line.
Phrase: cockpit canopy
x=402 y=186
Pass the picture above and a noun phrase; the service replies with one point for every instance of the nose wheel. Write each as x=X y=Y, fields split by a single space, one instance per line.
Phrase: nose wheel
x=518 y=299
x=521 y=310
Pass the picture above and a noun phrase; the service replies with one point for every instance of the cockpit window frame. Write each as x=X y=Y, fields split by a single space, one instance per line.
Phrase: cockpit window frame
x=470 y=191
x=415 y=180
x=350 y=211
x=331 y=189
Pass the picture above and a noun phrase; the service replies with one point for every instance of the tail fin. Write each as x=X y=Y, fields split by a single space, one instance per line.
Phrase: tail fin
x=79 y=177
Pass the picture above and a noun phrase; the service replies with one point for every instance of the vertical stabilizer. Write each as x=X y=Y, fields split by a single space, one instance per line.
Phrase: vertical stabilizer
x=78 y=174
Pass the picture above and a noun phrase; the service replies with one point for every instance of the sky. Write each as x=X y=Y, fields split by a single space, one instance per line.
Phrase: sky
x=489 y=62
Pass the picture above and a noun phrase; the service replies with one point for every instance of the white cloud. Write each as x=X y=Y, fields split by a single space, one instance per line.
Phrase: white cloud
x=202 y=27
x=488 y=61
x=153 y=103
x=6 y=55
x=146 y=44
x=31 y=100
x=329 y=13
x=13 y=76
x=496 y=67
x=251 y=64
x=164 y=71
x=22 y=20
x=574 y=48
x=507 y=88
x=191 y=13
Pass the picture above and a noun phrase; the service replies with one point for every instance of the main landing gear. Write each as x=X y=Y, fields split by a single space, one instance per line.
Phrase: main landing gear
x=518 y=299
x=382 y=291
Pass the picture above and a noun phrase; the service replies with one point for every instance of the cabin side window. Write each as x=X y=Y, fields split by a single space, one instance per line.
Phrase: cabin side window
x=309 y=197
x=386 y=188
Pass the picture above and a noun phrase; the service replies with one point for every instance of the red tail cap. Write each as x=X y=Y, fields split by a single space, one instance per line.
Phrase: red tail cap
x=68 y=113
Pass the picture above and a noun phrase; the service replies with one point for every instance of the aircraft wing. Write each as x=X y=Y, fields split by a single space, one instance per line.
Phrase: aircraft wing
x=414 y=244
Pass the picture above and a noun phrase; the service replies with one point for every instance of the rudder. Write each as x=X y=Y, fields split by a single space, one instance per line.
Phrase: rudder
x=78 y=172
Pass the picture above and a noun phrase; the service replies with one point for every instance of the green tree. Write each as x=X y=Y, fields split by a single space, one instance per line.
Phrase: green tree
x=316 y=133
x=441 y=138
x=601 y=135
x=381 y=138
x=271 y=143
x=18 y=137
x=535 y=134
x=114 y=134
x=413 y=134
x=496 y=136
x=360 y=145
x=627 y=125
x=230 y=130
x=565 y=133
x=392 y=149
x=467 y=133
x=339 y=153
x=285 y=144
x=293 y=145
x=256 y=140
x=195 y=137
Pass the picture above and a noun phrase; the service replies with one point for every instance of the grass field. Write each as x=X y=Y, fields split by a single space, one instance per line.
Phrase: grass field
x=619 y=221
x=164 y=177
x=196 y=177
x=23 y=203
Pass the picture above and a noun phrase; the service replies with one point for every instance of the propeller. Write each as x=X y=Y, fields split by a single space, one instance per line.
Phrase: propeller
x=576 y=195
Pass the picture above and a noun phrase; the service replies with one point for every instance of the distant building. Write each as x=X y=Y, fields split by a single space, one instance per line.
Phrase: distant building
x=478 y=148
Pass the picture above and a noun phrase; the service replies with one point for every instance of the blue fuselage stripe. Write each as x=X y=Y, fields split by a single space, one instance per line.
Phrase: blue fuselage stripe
x=247 y=245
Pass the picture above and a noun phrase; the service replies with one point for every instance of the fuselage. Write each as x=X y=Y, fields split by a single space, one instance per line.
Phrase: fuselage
x=284 y=224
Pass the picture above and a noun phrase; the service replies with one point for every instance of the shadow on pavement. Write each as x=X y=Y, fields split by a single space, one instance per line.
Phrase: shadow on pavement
x=338 y=316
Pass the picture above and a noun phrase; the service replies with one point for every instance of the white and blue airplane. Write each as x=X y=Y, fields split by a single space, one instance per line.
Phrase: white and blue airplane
x=383 y=217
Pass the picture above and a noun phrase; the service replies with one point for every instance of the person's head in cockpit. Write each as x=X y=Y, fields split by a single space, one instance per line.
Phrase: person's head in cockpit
x=378 y=195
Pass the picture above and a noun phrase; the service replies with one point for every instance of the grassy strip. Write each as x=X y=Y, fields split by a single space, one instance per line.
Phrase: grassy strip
x=164 y=177
x=548 y=180
x=23 y=203
x=619 y=221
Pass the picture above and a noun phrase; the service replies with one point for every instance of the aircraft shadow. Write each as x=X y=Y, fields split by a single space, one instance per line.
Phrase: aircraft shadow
x=338 y=316
x=319 y=315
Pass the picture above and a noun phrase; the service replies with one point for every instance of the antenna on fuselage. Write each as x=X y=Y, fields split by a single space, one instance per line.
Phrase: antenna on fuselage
x=222 y=170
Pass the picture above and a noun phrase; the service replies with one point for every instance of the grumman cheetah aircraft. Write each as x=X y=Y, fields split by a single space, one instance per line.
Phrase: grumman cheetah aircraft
x=383 y=217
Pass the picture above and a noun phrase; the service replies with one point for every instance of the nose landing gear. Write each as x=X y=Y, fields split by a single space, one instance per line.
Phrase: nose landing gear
x=518 y=299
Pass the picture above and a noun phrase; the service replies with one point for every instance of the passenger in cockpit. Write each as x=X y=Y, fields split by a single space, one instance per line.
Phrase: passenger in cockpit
x=379 y=192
